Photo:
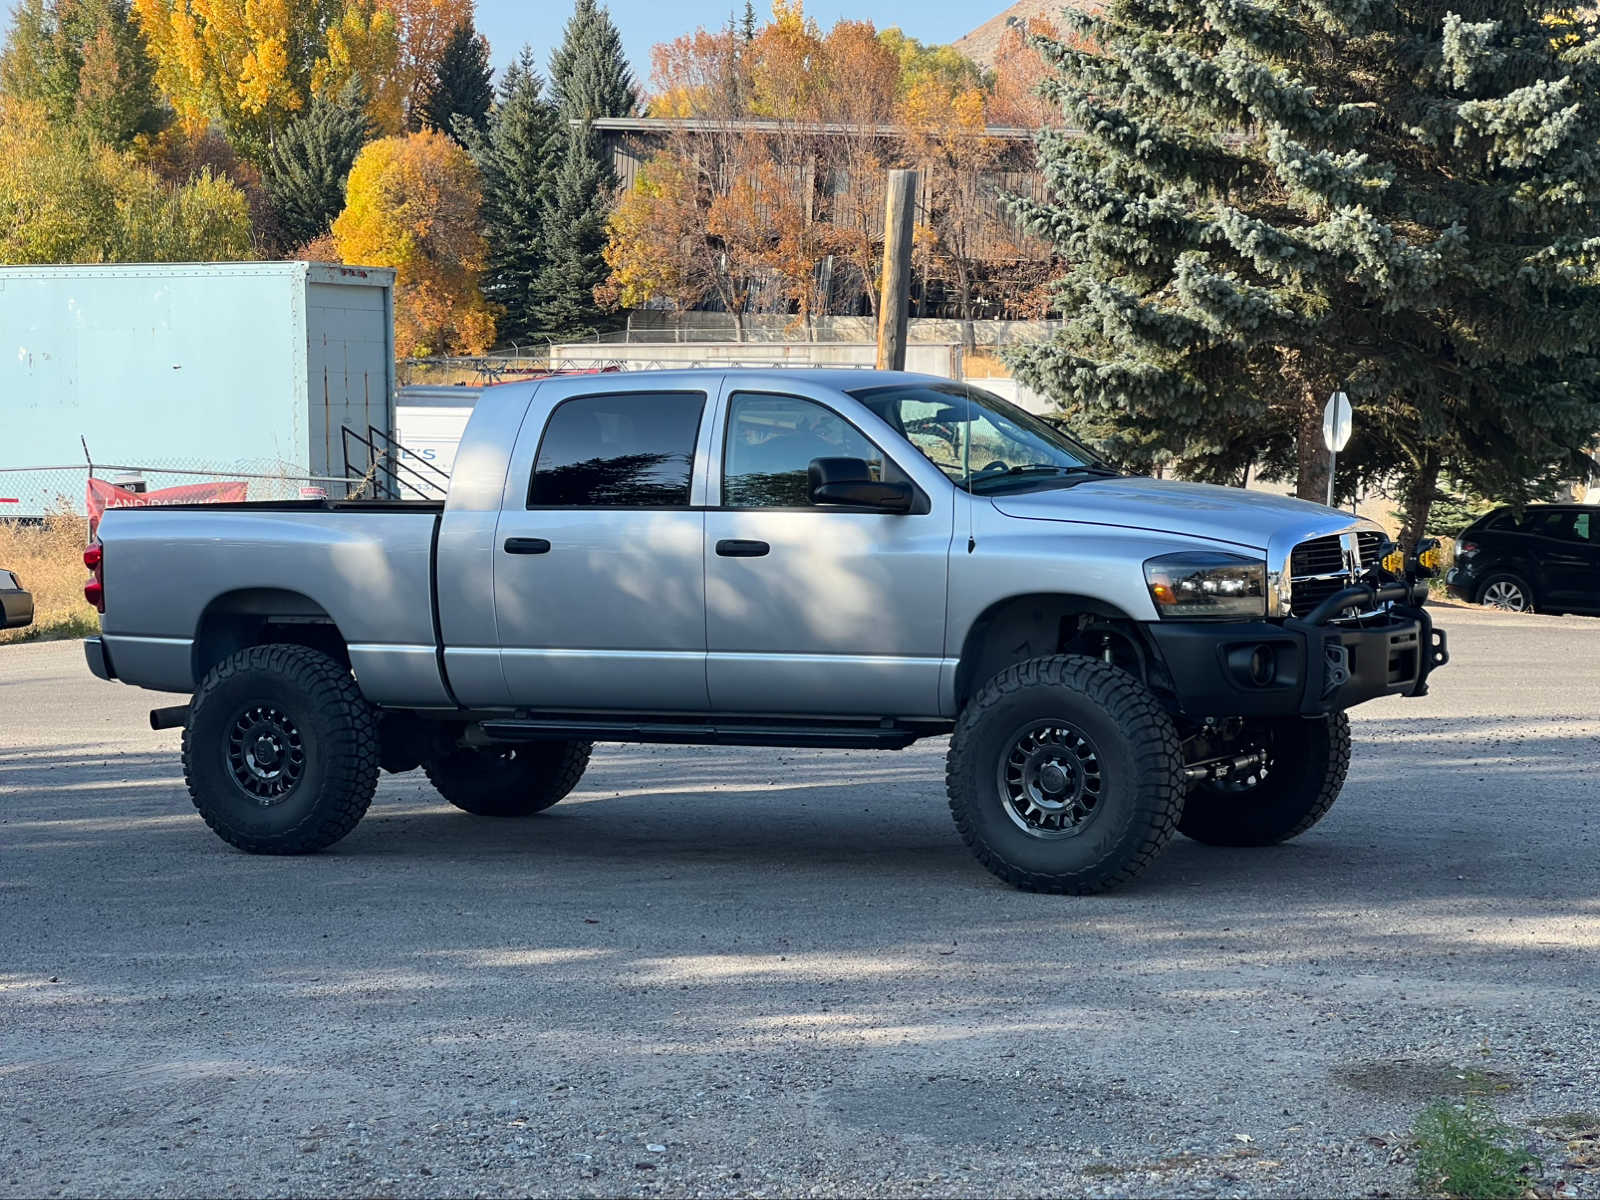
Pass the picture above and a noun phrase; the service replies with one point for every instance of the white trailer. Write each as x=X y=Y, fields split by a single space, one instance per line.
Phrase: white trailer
x=225 y=366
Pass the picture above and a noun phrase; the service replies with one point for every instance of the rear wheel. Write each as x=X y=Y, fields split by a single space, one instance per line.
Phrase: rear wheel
x=1506 y=591
x=1064 y=775
x=1290 y=791
x=280 y=751
x=508 y=781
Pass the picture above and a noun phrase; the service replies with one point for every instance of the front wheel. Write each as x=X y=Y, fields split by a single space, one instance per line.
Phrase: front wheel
x=508 y=781
x=1065 y=775
x=1305 y=765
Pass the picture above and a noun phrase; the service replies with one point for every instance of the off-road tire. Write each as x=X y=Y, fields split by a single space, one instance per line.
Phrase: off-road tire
x=337 y=733
x=1140 y=762
x=1310 y=759
x=1530 y=604
x=516 y=781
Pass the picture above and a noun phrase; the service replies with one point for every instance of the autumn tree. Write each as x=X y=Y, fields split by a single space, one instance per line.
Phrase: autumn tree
x=307 y=164
x=413 y=204
x=73 y=200
x=84 y=61
x=462 y=87
x=425 y=28
x=1016 y=91
x=363 y=52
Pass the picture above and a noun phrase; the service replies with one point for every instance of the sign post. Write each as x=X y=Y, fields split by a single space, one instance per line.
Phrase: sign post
x=1336 y=423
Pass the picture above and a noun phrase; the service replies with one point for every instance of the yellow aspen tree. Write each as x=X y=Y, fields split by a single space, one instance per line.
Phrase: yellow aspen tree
x=412 y=203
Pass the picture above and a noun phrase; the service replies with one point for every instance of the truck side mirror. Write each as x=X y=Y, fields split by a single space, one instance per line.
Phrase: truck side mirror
x=848 y=481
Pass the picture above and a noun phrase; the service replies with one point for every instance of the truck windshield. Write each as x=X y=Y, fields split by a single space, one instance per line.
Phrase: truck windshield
x=983 y=443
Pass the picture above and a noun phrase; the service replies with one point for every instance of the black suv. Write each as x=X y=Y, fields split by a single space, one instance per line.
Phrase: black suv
x=1548 y=559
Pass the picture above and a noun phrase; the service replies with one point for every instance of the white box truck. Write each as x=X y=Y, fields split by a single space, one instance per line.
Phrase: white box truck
x=244 y=367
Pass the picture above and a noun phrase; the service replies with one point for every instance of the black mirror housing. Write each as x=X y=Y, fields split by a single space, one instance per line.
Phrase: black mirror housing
x=848 y=481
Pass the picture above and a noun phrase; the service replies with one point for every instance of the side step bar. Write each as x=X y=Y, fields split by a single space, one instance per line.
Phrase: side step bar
x=722 y=733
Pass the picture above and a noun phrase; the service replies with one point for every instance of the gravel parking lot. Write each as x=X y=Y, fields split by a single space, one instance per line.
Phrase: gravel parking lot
x=780 y=972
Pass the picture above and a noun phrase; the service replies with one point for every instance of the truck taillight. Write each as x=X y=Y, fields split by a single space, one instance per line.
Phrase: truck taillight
x=1463 y=548
x=94 y=591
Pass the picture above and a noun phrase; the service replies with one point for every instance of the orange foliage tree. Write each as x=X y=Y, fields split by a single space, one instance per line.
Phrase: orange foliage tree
x=412 y=204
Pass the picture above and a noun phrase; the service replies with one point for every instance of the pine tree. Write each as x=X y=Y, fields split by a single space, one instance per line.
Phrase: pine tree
x=517 y=157
x=589 y=79
x=462 y=88
x=747 y=23
x=85 y=61
x=308 y=163
x=1272 y=198
x=589 y=74
x=575 y=232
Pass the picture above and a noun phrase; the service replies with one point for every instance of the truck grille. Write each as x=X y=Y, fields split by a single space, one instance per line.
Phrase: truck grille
x=1323 y=566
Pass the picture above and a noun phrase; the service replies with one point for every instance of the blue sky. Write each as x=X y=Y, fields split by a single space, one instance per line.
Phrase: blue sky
x=509 y=23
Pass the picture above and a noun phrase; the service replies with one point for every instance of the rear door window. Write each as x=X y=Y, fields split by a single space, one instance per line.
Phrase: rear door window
x=621 y=450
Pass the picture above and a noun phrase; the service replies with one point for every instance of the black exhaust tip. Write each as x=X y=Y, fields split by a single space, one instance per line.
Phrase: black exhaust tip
x=174 y=717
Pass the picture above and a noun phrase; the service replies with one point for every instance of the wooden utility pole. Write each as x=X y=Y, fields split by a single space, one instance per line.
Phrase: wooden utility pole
x=894 y=304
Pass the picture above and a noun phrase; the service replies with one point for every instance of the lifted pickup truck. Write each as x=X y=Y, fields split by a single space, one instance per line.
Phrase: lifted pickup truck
x=774 y=558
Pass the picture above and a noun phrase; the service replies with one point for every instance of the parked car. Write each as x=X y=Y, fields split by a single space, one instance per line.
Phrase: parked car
x=16 y=604
x=774 y=558
x=1546 y=560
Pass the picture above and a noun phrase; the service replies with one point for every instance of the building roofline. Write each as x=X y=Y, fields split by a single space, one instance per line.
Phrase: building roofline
x=1010 y=133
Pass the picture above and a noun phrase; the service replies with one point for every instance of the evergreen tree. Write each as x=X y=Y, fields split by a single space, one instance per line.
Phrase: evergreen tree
x=575 y=232
x=462 y=88
x=589 y=79
x=589 y=74
x=307 y=164
x=747 y=24
x=517 y=157
x=1272 y=198
x=85 y=62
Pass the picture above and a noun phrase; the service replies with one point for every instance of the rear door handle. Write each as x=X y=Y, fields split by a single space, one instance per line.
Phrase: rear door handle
x=527 y=546
x=736 y=548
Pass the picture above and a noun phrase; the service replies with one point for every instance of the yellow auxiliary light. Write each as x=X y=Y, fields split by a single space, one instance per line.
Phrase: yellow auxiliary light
x=1393 y=562
x=1432 y=558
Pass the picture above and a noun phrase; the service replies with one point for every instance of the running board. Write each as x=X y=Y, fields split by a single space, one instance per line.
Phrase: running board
x=884 y=736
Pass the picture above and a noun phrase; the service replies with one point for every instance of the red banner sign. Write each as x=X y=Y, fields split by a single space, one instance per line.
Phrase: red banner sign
x=103 y=495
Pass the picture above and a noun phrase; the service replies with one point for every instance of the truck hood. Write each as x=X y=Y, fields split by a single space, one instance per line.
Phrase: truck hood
x=1221 y=514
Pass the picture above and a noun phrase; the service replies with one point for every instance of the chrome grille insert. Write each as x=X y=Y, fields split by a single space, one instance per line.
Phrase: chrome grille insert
x=1322 y=566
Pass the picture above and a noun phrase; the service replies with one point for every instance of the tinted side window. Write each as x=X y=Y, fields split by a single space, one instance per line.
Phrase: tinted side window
x=1562 y=526
x=771 y=442
x=627 y=450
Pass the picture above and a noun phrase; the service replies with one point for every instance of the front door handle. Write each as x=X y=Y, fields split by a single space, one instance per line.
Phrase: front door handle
x=737 y=548
x=527 y=546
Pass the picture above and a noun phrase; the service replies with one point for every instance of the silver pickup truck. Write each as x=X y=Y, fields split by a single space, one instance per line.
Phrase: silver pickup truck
x=774 y=558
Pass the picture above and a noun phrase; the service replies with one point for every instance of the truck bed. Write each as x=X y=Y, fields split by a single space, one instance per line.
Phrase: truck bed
x=181 y=580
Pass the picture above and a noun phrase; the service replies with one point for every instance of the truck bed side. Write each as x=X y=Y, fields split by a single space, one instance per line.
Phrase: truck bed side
x=186 y=587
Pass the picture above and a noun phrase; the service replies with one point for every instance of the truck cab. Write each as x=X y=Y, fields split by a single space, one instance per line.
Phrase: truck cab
x=798 y=557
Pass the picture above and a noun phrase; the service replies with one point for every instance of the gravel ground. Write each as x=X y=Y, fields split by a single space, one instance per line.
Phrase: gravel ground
x=747 y=972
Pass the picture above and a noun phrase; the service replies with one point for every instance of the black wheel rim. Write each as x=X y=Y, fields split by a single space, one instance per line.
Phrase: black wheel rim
x=266 y=755
x=1050 y=780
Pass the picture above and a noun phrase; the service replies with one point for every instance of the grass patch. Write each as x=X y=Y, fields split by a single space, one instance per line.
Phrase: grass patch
x=1463 y=1151
x=48 y=557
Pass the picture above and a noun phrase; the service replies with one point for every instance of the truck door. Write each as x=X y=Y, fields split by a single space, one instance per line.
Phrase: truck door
x=599 y=587
x=815 y=609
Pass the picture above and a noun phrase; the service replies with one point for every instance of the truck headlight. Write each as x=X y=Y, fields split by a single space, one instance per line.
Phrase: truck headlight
x=1204 y=585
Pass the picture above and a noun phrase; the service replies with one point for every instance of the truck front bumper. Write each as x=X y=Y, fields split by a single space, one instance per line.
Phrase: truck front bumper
x=1300 y=667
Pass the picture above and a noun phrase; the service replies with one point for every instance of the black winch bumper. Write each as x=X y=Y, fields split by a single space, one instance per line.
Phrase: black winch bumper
x=1304 y=666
